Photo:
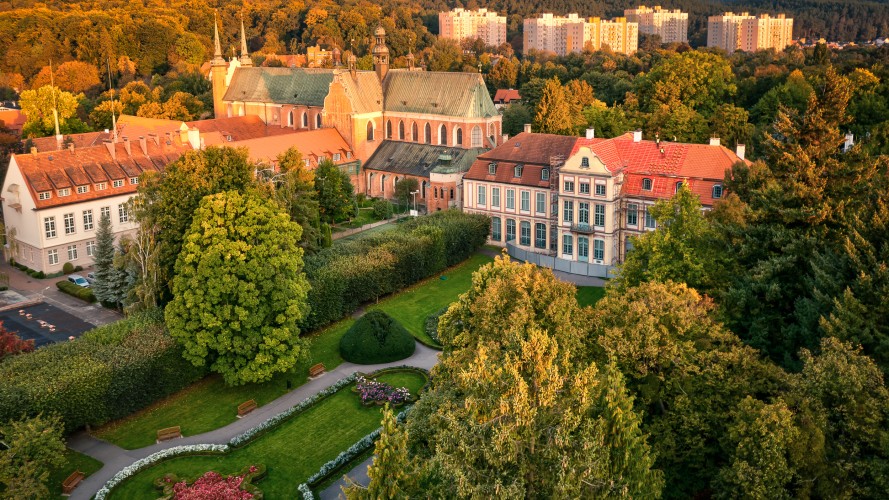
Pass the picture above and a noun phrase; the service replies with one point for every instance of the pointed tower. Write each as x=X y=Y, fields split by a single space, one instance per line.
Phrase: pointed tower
x=246 y=62
x=380 y=53
x=217 y=74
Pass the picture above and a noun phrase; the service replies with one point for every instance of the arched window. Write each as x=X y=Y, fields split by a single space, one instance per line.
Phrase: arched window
x=241 y=109
x=305 y=119
x=646 y=184
x=427 y=134
x=458 y=136
x=388 y=129
x=415 y=133
x=318 y=120
x=400 y=130
x=477 y=137
x=290 y=118
x=423 y=192
x=443 y=135
x=370 y=131
x=382 y=184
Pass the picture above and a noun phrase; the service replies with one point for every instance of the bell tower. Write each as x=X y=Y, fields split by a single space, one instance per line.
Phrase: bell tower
x=218 y=68
x=380 y=53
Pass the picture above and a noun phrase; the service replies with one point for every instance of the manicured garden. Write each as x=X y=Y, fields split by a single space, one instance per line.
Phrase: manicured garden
x=292 y=452
x=74 y=461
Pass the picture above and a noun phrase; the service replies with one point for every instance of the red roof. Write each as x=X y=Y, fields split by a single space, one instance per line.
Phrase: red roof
x=311 y=143
x=13 y=119
x=506 y=95
x=239 y=128
x=533 y=151
x=83 y=140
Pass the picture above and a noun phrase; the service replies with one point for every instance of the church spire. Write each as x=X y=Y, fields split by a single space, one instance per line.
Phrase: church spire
x=245 y=58
x=217 y=55
x=380 y=53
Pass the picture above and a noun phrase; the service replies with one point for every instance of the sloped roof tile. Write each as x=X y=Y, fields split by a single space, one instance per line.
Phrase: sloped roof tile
x=302 y=86
x=438 y=93
x=409 y=158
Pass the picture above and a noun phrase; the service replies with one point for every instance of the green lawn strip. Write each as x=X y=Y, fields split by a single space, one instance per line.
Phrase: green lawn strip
x=343 y=471
x=74 y=461
x=411 y=306
x=589 y=295
x=292 y=452
x=210 y=404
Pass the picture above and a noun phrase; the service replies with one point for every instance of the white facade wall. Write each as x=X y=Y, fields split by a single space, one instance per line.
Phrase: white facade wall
x=670 y=25
x=495 y=205
x=461 y=24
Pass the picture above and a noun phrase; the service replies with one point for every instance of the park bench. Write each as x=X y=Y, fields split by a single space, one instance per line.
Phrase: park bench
x=246 y=407
x=169 y=433
x=73 y=480
x=316 y=370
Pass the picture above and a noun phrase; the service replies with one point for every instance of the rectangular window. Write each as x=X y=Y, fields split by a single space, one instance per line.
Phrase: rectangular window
x=583 y=248
x=598 y=249
x=583 y=217
x=584 y=188
x=525 y=236
x=540 y=235
x=101 y=186
x=45 y=195
x=306 y=162
x=649 y=220
x=134 y=180
x=600 y=189
x=336 y=157
x=526 y=201
x=90 y=248
x=495 y=228
x=72 y=252
x=70 y=228
x=87 y=220
x=49 y=226
x=568 y=212
x=495 y=197
x=568 y=245
x=600 y=215
x=53 y=256
x=321 y=158
x=65 y=192
x=510 y=199
x=632 y=214
x=569 y=186
x=105 y=212
x=118 y=183
x=123 y=213
x=82 y=189
x=510 y=230
x=541 y=203
x=481 y=195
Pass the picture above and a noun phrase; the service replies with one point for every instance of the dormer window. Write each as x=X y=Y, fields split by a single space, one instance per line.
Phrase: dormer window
x=646 y=184
x=348 y=155
x=82 y=189
x=717 y=191
x=134 y=180
x=336 y=157
x=518 y=171
x=101 y=186
x=65 y=192
x=585 y=162
x=44 y=195
x=306 y=162
x=492 y=168
x=118 y=183
x=678 y=186
x=321 y=158
x=544 y=174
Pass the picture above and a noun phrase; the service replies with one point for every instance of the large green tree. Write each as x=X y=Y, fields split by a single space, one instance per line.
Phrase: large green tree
x=699 y=80
x=33 y=447
x=38 y=105
x=239 y=289
x=294 y=188
x=554 y=111
x=336 y=196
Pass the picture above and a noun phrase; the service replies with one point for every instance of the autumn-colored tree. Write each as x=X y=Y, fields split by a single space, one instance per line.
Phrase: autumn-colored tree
x=554 y=111
x=38 y=106
x=504 y=74
x=72 y=76
x=11 y=344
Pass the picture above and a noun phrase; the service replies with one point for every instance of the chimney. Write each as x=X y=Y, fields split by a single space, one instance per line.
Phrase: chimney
x=154 y=138
x=527 y=128
x=126 y=145
x=59 y=140
x=143 y=144
x=194 y=138
x=71 y=147
x=111 y=149
x=33 y=150
x=637 y=136
x=741 y=150
x=849 y=142
x=183 y=134
x=106 y=130
x=714 y=141
x=505 y=138
x=590 y=133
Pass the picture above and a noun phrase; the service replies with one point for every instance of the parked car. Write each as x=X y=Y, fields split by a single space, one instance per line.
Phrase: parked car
x=91 y=278
x=79 y=280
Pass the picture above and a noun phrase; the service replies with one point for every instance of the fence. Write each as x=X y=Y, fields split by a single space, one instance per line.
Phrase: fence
x=350 y=232
x=557 y=264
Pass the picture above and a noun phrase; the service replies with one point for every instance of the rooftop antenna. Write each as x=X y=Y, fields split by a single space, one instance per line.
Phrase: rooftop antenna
x=113 y=115
x=55 y=111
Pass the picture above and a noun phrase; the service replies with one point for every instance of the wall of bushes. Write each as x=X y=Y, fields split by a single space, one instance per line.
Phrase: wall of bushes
x=347 y=275
x=108 y=373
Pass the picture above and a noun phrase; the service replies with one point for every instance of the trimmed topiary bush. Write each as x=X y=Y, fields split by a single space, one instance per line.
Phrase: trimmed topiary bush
x=76 y=291
x=68 y=268
x=376 y=338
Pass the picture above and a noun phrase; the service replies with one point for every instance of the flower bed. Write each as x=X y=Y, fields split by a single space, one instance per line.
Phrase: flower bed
x=373 y=392
x=213 y=485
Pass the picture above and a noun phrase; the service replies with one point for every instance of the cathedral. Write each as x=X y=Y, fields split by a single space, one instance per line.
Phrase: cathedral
x=446 y=116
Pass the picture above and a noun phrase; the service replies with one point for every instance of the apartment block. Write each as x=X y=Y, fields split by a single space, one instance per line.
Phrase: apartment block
x=461 y=24
x=670 y=25
x=566 y=34
x=732 y=32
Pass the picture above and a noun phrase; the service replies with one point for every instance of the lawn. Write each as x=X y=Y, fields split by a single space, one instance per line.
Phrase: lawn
x=411 y=306
x=210 y=404
x=292 y=452
x=74 y=461
x=589 y=295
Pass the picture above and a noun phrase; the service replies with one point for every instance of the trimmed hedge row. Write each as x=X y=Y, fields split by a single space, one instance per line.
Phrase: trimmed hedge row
x=108 y=373
x=76 y=291
x=349 y=274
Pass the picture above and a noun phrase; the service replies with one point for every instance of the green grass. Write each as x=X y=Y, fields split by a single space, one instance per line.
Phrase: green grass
x=74 y=461
x=409 y=379
x=589 y=295
x=292 y=452
x=410 y=307
x=210 y=404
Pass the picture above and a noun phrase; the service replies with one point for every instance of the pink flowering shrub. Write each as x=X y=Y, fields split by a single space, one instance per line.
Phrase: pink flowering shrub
x=213 y=486
x=372 y=391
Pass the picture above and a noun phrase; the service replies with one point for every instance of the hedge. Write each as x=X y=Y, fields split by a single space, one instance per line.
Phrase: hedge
x=376 y=338
x=108 y=373
x=349 y=274
x=78 y=291
x=431 y=325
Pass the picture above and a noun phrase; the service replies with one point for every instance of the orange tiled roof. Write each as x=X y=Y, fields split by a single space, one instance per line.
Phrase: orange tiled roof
x=14 y=119
x=240 y=128
x=54 y=170
x=311 y=143
x=506 y=95
x=84 y=140
x=133 y=127
x=533 y=151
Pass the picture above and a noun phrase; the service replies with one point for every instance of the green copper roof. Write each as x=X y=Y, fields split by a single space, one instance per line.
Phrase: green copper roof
x=437 y=93
x=305 y=86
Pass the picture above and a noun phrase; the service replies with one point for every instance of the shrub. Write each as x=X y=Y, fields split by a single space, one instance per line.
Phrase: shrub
x=375 y=392
x=382 y=209
x=76 y=291
x=376 y=338
x=213 y=485
x=68 y=268
x=432 y=323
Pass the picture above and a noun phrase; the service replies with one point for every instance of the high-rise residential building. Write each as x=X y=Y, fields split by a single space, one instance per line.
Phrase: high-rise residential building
x=572 y=33
x=732 y=32
x=670 y=25
x=461 y=24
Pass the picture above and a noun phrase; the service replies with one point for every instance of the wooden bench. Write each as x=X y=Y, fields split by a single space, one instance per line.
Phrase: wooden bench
x=316 y=370
x=73 y=480
x=169 y=433
x=246 y=407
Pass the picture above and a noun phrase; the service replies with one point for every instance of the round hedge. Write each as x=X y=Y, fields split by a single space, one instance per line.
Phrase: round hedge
x=376 y=338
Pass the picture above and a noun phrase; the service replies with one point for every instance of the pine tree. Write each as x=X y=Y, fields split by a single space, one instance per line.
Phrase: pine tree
x=103 y=259
x=390 y=474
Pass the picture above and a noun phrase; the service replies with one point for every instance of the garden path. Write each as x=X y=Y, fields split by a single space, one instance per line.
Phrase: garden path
x=116 y=458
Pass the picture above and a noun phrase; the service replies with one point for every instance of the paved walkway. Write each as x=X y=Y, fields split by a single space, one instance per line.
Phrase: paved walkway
x=116 y=458
x=358 y=475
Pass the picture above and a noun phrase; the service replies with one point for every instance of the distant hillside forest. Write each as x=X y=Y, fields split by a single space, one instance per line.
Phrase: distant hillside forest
x=156 y=35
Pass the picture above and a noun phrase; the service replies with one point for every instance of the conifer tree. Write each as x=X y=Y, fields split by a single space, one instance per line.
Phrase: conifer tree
x=390 y=475
x=103 y=260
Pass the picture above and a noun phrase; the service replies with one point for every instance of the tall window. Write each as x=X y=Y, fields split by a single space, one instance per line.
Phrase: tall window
x=510 y=230
x=646 y=184
x=87 y=220
x=290 y=118
x=415 y=133
x=53 y=257
x=525 y=235
x=495 y=197
x=510 y=199
x=90 y=248
x=717 y=191
x=427 y=131
x=443 y=135
x=600 y=215
x=583 y=248
x=584 y=188
x=632 y=214
x=318 y=120
x=540 y=235
x=599 y=249
x=526 y=201
x=105 y=212
x=649 y=219
x=370 y=131
x=400 y=130
x=458 y=136
x=476 y=137
x=49 y=226
x=495 y=228
x=72 y=252
x=69 y=223
x=585 y=162
x=568 y=245
x=481 y=195
x=678 y=186
x=388 y=129
x=123 y=213
x=600 y=189
x=305 y=119
x=583 y=216
x=544 y=174
x=541 y=203
x=568 y=211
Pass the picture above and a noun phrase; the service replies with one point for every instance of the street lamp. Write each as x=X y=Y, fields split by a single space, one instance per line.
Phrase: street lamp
x=414 y=193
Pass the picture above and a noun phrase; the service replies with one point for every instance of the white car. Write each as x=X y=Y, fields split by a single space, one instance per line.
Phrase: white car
x=79 y=280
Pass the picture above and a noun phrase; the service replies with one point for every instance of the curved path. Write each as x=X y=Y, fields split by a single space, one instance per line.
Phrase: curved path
x=116 y=458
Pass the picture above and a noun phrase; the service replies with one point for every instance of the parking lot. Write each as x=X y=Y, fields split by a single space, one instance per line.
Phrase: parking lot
x=46 y=324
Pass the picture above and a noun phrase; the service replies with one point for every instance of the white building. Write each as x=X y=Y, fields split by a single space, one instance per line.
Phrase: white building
x=461 y=24
x=732 y=32
x=670 y=25
x=564 y=35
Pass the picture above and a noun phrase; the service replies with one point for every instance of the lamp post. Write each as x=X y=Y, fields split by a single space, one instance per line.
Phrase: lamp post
x=414 y=194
